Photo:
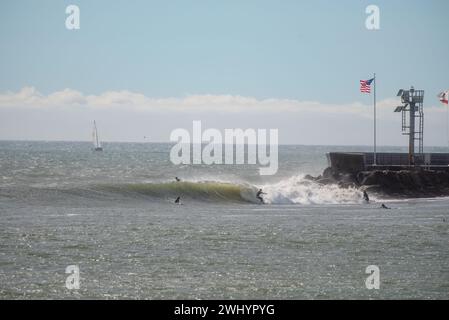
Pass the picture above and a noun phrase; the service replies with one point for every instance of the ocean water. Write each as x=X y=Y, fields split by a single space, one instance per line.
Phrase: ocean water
x=112 y=214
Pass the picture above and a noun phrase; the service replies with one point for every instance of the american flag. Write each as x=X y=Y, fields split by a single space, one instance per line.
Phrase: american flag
x=444 y=97
x=365 y=85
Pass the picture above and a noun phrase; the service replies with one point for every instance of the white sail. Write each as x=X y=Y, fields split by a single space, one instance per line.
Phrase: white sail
x=94 y=138
x=96 y=141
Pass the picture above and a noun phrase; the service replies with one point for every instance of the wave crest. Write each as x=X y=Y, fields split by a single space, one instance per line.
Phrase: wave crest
x=294 y=190
x=298 y=190
x=203 y=190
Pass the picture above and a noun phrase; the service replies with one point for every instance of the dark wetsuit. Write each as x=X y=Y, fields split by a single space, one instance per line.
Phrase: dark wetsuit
x=259 y=195
x=365 y=196
x=177 y=200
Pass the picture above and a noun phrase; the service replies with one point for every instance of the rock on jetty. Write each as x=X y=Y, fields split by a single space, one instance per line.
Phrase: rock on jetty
x=413 y=183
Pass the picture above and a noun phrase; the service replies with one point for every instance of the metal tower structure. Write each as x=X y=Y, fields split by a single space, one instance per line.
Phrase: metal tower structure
x=412 y=104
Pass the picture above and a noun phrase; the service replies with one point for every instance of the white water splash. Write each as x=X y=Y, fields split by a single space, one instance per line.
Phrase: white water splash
x=297 y=190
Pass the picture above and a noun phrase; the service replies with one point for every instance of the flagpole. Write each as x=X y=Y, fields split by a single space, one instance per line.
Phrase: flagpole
x=447 y=125
x=375 y=147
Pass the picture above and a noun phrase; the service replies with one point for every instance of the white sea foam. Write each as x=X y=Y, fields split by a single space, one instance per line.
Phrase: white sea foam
x=298 y=190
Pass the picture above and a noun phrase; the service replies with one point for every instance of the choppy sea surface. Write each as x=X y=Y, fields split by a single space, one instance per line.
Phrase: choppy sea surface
x=112 y=214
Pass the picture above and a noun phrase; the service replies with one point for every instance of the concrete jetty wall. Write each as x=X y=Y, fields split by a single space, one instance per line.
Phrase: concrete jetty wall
x=392 y=176
x=353 y=162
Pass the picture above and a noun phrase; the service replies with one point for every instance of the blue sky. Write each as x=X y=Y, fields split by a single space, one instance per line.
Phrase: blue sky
x=301 y=50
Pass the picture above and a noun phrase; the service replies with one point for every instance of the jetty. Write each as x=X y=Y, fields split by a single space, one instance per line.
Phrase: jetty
x=412 y=174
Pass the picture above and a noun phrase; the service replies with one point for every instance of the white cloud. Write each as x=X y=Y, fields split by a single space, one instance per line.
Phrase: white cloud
x=29 y=97
x=128 y=116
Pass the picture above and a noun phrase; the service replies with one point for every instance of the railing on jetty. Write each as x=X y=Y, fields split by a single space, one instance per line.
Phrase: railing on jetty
x=352 y=162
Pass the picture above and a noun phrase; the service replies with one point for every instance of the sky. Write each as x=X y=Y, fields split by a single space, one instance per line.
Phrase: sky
x=144 y=68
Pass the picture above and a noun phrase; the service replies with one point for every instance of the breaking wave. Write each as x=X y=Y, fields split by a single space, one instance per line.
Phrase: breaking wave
x=298 y=190
x=294 y=190
x=202 y=190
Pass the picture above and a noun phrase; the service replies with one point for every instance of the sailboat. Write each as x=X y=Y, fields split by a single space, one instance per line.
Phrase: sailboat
x=97 y=144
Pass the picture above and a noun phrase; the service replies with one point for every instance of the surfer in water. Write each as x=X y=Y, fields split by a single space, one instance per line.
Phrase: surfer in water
x=365 y=196
x=383 y=206
x=259 y=195
x=177 y=179
x=178 y=200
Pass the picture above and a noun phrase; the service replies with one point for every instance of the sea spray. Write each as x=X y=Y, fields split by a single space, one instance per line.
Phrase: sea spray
x=298 y=190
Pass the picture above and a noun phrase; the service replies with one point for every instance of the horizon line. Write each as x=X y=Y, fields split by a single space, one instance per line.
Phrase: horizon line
x=171 y=142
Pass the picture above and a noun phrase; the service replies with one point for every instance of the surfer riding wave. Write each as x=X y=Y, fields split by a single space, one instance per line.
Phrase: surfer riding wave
x=294 y=190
